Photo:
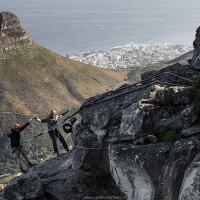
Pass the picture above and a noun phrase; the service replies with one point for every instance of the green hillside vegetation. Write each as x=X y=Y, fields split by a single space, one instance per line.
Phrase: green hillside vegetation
x=6 y=178
x=34 y=80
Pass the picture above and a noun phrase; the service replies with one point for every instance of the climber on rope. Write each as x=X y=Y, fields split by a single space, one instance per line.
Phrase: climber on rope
x=17 y=148
x=51 y=121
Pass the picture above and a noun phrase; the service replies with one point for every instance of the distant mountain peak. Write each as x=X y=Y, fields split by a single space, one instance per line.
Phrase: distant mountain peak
x=12 y=35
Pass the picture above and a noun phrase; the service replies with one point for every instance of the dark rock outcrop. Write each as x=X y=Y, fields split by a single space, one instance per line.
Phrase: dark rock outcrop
x=56 y=179
x=12 y=35
x=195 y=62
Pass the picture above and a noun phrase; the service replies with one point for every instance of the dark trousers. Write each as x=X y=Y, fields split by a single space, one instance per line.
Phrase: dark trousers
x=56 y=133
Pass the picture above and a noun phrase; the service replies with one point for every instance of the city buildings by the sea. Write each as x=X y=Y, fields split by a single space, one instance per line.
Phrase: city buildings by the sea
x=132 y=55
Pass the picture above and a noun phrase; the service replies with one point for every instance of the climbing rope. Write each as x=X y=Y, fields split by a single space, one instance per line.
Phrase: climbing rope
x=138 y=86
x=129 y=91
x=53 y=128
x=102 y=100
x=154 y=76
x=134 y=89
x=93 y=148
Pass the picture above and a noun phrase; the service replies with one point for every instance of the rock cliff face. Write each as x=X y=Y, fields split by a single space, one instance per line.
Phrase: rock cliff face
x=12 y=35
x=138 y=142
x=196 y=56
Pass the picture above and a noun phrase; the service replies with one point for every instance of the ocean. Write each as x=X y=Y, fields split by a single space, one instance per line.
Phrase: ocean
x=67 y=27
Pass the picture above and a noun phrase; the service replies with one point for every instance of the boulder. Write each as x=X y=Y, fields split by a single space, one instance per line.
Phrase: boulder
x=156 y=171
x=181 y=120
x=190 y=131
x=190 y=188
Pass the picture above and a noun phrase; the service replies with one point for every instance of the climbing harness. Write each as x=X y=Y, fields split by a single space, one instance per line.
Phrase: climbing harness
x=64 y=121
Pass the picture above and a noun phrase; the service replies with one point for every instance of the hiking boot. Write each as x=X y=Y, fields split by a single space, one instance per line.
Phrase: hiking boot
x=68 y=152
x=64 y=154
x=31 y=165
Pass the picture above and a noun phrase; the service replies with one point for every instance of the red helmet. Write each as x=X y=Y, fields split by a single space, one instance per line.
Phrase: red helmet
x=15 y=126
x=53 y=112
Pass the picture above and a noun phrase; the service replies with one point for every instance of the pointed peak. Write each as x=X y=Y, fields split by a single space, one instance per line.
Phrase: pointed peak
x=12 y=35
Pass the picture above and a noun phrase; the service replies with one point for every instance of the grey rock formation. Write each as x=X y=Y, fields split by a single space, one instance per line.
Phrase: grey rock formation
x=157 y=170
x=12 y=35
x=56 y=179
x=190 y=131
x=191 y=182
x=180 y=120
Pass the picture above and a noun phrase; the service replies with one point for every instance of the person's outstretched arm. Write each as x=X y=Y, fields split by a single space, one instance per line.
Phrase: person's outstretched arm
x=41 y=120
x=25 y=125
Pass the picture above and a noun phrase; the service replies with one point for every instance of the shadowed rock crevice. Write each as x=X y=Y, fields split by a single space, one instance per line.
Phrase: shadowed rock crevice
x=1 y=21
x=48 y=196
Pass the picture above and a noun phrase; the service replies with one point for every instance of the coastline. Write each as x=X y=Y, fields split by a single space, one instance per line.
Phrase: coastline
x=131 y=55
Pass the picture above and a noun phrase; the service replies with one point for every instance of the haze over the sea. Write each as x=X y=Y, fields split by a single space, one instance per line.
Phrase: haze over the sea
x=67 y=26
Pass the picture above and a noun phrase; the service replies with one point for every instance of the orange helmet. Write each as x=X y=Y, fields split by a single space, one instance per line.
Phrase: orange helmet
x=16 y=126
x=53 y=112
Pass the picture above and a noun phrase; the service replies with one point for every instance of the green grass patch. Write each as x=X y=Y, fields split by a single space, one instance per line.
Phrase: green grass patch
x=7 y=179
x=165 y=134
x=4 y=181
x=39 y=79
